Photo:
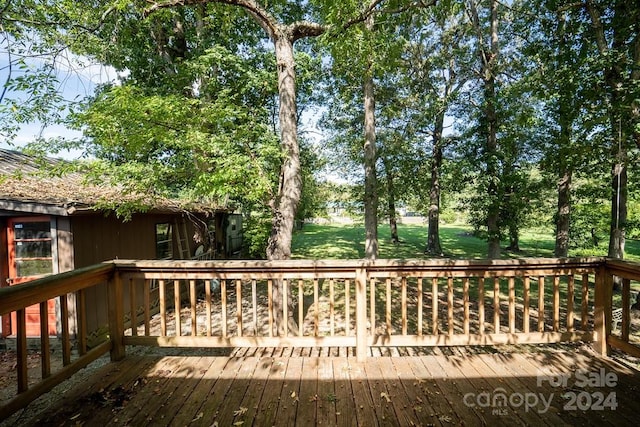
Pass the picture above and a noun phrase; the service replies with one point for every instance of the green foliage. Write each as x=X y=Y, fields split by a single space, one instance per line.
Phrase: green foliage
x=194 y=112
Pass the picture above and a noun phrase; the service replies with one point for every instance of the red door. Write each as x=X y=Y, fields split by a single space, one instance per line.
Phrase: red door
x=30 y=257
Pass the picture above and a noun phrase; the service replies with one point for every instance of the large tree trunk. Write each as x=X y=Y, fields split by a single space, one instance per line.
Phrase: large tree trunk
x=563 y=214
x=433 y=233
x=621 y=113
x=370 y=157
x=488 y=57
x=290 y=185
x=493 y=214
x=618 y=208
x=289 y=191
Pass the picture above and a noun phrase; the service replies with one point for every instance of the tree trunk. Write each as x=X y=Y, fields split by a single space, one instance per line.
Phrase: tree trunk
x=618 y=209
x=289 y=190
x=433 y=233
x=514 y=238
x=290 y=186
x=563 y=214
x=391 y=194
x=621 y=110
x=493 y=214
x=370 y=157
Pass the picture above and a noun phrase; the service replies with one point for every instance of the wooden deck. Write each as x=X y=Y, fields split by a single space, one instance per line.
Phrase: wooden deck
x=285 y=387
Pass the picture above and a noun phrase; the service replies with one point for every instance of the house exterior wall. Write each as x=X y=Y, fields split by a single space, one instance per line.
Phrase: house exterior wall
x=99 y=238
x=4 y=271
x=82 y=240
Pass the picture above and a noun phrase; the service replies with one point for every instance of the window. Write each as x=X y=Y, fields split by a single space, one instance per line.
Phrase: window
x=31 y=253
x=164 y=241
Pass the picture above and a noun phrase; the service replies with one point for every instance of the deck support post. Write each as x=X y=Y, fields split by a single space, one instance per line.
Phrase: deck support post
x=602 y=310
x=361 y=314
x=116 y=317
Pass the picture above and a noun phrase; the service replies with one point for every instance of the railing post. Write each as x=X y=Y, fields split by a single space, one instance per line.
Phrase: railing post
x=602 y=310
x=361 y=314
x=116 y=316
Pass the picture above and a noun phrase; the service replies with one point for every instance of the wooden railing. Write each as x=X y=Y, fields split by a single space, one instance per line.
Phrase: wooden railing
x=327 y=303
x=16 y=299
x=358 y=303
x=621 y=338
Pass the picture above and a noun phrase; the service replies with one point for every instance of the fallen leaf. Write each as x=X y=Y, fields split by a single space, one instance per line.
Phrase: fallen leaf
x=240 y=411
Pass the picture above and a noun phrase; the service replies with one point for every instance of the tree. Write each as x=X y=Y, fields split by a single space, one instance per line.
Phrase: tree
x=283 y=37
x=616 y=30
x=488 y=52
x=437 y=66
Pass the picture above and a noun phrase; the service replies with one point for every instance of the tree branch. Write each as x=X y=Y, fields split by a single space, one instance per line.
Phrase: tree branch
x=304 y=29
x=261 y=16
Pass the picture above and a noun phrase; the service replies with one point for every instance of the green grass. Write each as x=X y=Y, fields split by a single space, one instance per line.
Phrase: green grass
x=347 y=242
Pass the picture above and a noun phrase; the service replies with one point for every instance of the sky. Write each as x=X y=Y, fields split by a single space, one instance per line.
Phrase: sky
x=77 y=78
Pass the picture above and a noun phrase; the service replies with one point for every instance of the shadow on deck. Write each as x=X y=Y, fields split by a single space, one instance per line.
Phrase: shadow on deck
x=525 y=385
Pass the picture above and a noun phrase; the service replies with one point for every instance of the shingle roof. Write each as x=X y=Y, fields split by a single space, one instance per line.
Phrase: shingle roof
x=22 y=182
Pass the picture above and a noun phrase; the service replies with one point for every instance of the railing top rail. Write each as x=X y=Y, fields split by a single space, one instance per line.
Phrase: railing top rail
x=329 y=266
x=623 y=268
x=17 y=297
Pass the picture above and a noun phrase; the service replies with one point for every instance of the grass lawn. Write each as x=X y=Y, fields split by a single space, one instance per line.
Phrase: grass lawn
x=336 y=241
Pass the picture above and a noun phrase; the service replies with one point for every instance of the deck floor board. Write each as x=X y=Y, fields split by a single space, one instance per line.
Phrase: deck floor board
x=265 y=388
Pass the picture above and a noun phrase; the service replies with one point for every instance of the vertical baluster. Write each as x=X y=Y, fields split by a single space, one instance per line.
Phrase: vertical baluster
x=465 y=302
x=512 y=304
x=316 y=308
x=450 y=305
x=434 y=306
x=570 y=298
x=347 y=308
x=496 y=305
x=194 y=314
x=332 y=318
x=178 y=307
x=372 y=305
x=64 y=325
x=556 y=303
x=585 y=301
x=207 y=303
x=163 y=308
x=526 y=302
x=361 y=314
x=132 y=308
x=285 y=306
x=388 y=305
x=481 y=305
x=626 y=305
x=223 y=309
x=270 y=305
x=147 y=307
x=300 y=307
x=541 y=304
x=21 y=349
x=45 y=347
x=82 y=322
x=420 y=302
x=254 y=303
x=239 y=306
x=404 y=306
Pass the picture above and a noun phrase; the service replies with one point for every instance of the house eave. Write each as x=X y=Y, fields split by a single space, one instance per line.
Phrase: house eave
x=12 y=207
